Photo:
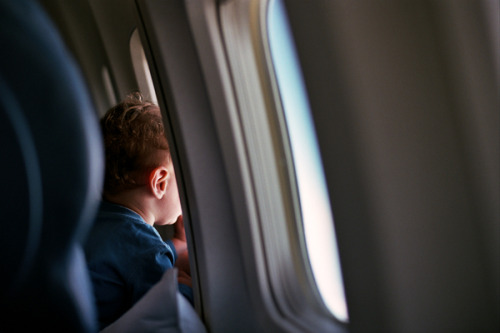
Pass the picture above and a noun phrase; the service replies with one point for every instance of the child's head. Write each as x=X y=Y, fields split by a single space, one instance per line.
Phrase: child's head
x=134 y=143
x=139 y=170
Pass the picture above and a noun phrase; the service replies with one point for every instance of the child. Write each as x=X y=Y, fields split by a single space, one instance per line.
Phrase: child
x=125 y=254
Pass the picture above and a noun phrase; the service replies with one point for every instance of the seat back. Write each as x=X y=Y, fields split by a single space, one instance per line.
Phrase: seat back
x=52 y=167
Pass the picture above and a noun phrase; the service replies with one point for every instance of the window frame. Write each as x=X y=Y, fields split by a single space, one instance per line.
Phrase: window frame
x=268 y=154
x=233 y=241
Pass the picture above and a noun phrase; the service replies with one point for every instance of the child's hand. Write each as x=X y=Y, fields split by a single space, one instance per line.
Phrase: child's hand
x=182 y=261
x=179 y=239
x=184 y=271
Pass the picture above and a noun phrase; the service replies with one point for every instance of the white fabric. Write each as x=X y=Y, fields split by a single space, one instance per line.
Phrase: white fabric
x=162 y=309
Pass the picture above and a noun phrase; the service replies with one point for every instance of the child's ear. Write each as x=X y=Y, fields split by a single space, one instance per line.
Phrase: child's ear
x=158 y=181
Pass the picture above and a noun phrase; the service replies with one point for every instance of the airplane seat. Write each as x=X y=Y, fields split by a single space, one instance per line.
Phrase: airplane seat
x=51 y=174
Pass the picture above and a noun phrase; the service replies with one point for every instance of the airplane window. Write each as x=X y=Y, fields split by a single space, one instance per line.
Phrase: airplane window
x=314 y=200
x=141 y=68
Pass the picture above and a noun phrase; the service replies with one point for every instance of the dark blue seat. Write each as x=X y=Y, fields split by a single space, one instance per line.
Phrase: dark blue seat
x=51 y=173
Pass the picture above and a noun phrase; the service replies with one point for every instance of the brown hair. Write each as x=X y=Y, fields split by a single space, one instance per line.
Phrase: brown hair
x=134 y=141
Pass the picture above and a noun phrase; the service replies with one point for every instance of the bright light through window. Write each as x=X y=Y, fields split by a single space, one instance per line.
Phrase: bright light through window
x=141 y=68
x=316 y=212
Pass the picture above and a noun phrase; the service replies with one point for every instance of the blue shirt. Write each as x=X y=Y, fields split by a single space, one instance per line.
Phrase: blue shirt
x=126 y=257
